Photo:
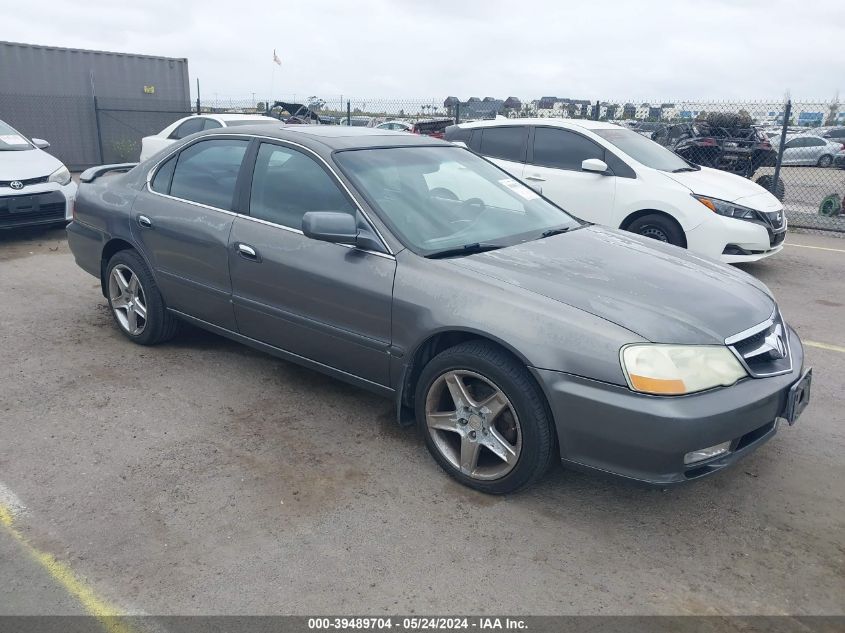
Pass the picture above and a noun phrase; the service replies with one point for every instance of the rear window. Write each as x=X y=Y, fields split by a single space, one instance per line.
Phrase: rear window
x=507 y=143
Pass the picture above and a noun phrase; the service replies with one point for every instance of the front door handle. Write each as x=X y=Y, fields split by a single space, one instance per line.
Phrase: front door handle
x=248 y=252
x=145 y=222
x=536 y=178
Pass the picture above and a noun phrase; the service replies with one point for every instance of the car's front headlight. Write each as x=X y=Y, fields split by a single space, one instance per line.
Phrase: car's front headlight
x=61 y=176
x=672 y=370
x=728 y=209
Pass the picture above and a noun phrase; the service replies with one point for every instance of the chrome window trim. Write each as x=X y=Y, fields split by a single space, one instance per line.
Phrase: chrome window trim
x=150 y=174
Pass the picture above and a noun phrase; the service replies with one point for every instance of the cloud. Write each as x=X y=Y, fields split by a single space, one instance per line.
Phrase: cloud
x=430 y=48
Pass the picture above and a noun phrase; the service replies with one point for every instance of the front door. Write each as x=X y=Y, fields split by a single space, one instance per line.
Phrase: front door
x=182 y=227
x=325 y=302
x=554 y=166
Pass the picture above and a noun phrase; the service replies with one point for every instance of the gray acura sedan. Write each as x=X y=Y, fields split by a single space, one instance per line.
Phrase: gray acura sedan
x=513 y=333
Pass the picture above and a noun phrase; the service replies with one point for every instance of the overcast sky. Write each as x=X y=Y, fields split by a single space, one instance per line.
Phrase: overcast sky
x=669 y=50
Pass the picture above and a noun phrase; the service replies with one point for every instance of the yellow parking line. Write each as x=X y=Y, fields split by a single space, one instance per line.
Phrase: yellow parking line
x=818 y=248
x=827 y=346
x=64 y=576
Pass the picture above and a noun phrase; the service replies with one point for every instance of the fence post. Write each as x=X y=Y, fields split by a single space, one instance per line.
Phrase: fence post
x=787 y=112
x=348 y=112
x=597 y=115
x=457 y=112
x=198 y=95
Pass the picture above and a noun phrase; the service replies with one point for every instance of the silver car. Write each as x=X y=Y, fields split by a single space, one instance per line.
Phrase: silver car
x=809 y=149
x=512 y=333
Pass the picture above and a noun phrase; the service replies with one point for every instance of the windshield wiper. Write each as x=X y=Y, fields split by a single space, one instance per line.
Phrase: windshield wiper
x=557 y=231
x=466 y=249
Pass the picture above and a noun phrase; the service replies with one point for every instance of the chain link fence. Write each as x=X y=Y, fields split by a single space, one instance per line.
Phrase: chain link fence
x=794 y=149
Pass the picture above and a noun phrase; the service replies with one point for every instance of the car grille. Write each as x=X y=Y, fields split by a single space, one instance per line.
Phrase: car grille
x=764 y=349
x=37 y=208
x=25 y=182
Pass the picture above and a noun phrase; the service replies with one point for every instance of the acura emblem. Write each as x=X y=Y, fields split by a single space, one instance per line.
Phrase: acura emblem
x=16 y=184
x=776 y=344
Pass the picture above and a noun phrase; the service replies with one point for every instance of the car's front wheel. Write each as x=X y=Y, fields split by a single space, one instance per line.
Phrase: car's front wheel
x=484 y=418
x=135 y=301
x=658 y=227
x=825 y=161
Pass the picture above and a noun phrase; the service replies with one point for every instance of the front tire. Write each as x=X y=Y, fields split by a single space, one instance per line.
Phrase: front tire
x=825 y=161
x=658 y=227
x=484 y=418
x=135 y=301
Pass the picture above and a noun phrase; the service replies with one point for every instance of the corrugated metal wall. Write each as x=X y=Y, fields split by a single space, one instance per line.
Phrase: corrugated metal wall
x=48 y=92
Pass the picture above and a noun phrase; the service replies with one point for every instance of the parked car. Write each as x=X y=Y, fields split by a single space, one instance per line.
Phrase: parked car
x=809 y=149
x=839 y=159
x=833 y=133
x=611 y=175
x=35 y=187
x=513 y=333
x=397 y=126
x=359 y=121
x=197 y=123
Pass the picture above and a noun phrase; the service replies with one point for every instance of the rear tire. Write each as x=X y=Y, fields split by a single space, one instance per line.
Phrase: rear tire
x=484 y=418
x=659 y=227
x=135 y=301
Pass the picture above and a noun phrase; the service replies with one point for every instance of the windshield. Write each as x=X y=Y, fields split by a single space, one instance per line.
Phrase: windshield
x=643 y=150
x=441 y=198
x=11 y=140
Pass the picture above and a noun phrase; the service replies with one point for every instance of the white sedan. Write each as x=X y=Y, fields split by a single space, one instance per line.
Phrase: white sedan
x=35 y=187
x=197 y=123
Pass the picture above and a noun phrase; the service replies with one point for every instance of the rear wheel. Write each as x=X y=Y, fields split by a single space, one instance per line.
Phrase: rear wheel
x=658 y=227
x=484 y=418
x=135 y=301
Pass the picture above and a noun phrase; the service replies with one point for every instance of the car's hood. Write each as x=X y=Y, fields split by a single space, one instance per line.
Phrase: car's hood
x=720 y=184
x=661 y=292
x=25 y=164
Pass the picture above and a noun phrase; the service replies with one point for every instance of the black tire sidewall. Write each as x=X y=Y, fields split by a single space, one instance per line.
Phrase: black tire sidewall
x=673 y=232
x=525 y=396
x=156 y=313
x=825 y=161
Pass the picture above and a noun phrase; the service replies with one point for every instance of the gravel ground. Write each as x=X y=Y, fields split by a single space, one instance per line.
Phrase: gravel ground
x=203 y=477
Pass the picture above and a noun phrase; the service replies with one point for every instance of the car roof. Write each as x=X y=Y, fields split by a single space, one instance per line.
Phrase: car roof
x=587 y=124
x=236 y=117
x=333 y=137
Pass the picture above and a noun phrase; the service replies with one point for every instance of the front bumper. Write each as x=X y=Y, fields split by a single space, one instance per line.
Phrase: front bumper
x=34 y=205
x=612 y=429
x=733 y=241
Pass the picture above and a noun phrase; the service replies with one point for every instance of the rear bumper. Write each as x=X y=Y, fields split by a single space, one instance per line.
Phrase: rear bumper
x=36 y=205
x=612 y=429
x=86 y=244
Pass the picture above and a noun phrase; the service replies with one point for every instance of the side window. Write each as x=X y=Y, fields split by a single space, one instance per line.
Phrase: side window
x=211 y=124
x=192 y=125
x=164 y=175
x=562 y=149
x=206 y=172
x=456 y=133
x=287 y=184
x=506 y=143
x=816 y=142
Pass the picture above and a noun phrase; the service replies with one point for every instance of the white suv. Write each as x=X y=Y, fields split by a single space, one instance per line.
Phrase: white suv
x=610 y=175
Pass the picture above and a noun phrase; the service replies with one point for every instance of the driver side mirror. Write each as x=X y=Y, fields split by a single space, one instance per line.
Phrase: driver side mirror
x=40 y=143
x=330 y=226
x=594 y=165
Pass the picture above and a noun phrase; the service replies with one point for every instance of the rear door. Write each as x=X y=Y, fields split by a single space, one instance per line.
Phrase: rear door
x=181 y=224
x=504 y=145
x=325 y=302
x=554 y=166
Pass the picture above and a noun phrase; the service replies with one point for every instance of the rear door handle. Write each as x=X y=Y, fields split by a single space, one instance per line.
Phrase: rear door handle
x=248 y=252
x=535 y=178
x=145 y=222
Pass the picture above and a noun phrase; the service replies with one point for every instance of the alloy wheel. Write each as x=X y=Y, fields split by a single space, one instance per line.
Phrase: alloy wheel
x=473 y=424
x=127 y=298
